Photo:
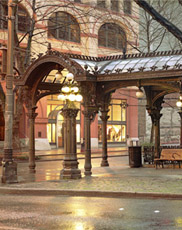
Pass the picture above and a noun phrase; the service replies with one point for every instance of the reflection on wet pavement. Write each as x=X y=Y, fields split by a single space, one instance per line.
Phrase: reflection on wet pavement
x=50 y=171
x=73 y=213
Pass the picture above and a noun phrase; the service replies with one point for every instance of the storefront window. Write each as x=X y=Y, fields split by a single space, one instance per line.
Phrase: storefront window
x=117 y=112
x=78 y=132
x=123 y=114
x=116 y=133
x=51 y=130
x=116 y=125
x=55 y=127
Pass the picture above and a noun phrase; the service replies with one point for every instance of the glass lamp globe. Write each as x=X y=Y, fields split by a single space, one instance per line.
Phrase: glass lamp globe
x=65 y=89
x=74 y=89
x=72 y=97
x=139 y=93
x=61 y=97
x=179 y=104
x=70 y=76
x=58 y=74
x=79 y=97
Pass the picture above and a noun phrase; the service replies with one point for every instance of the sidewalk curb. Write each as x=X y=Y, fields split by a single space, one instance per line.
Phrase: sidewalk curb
x=104 y=194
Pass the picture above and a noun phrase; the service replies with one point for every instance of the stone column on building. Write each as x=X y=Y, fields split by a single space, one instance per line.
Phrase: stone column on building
x=31 y=116
x=104 y=117
x=70 y=164
x=180 y=114
x=120 y=5
x=108 y=4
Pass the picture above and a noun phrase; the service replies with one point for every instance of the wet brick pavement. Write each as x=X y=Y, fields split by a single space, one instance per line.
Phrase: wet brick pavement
x=116 y=180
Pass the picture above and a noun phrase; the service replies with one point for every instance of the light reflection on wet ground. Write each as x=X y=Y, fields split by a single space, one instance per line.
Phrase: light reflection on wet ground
x=78 y=213
x=118 y=177
x=50 y=170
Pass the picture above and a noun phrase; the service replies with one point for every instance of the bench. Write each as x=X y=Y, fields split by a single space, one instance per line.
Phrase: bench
x=169 y=156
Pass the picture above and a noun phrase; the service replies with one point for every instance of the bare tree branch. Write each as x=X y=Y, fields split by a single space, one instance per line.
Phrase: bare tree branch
x=159 y=18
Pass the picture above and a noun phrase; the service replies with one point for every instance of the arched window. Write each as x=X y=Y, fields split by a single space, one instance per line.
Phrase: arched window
x=63 y=26
x=112 y=36
x=22 y=19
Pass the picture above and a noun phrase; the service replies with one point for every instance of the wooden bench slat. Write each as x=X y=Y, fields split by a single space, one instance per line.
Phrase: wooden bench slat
x=172 y=155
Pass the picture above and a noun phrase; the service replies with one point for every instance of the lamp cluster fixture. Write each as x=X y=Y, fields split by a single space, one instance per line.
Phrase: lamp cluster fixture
x=70 y=90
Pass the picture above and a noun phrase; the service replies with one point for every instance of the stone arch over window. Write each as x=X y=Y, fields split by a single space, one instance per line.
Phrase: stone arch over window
x=64 y=26
x=22 y=19
x=112 y=35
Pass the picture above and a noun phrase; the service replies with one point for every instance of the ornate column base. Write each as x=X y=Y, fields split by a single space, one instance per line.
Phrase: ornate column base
x=9 y=172
x=32 y=169
x=104 y=163
x=70 y=170
x=88 y=173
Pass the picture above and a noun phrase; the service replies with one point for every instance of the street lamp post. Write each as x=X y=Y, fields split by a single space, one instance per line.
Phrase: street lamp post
x=70 y=93
x=9 y=170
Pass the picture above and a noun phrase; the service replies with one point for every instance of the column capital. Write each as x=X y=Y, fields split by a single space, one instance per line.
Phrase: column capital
x=154 y=114
x=90 y=113
x=104 y=116
x=31 y=113
x=68 y=112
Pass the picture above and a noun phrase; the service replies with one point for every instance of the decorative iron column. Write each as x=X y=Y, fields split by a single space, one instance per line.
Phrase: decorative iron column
x=9 y=171
x=104 y=119
x=70 y=164
x=155 y=117
x=88 y=115
x=31 y=116
x=88 y=90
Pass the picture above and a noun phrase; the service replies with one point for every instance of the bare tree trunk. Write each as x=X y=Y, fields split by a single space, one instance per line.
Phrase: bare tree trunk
x=27 y=55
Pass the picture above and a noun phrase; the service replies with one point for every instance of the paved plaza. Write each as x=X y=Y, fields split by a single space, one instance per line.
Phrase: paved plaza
x=117 y=180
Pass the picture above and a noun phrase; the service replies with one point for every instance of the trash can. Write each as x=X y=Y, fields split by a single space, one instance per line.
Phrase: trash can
x=135 y=157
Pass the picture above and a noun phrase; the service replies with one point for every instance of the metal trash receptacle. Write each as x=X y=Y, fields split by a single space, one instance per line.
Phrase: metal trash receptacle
x=135 y=156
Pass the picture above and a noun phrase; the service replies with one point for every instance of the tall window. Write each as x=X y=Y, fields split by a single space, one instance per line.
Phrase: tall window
x=101 y=3
x=22 y=19
x=127 y=6
x=116 y=125
x=115 y=5
x=64 y=26
x=111 y=35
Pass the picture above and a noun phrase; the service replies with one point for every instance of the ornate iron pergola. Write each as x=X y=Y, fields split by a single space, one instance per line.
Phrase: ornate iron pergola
x=158 y=73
